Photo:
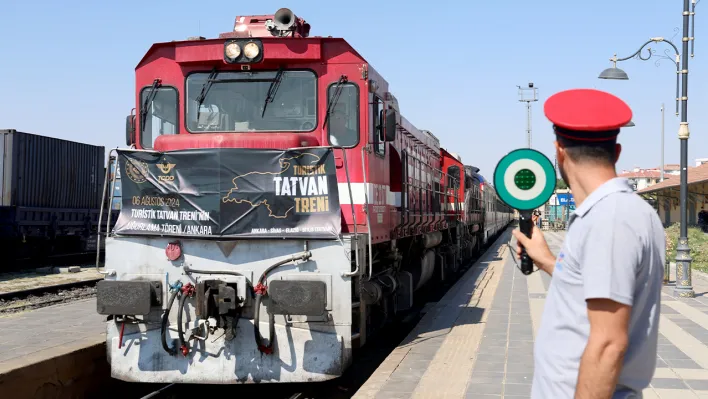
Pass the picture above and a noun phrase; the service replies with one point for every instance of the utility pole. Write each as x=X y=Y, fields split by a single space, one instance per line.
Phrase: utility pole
x=662 y=141
x=528 y=95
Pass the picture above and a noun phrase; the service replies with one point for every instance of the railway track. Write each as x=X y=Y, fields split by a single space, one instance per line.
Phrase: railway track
x=366 y=361
x=39 y=297
x=58 y=260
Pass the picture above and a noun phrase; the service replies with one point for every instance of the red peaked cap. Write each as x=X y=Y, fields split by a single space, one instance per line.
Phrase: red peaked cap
x=587 y=114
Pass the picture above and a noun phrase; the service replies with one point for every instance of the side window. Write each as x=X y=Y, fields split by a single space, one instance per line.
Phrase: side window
x=343 y=123
x=161 y=117
x=453 y=173
x=376 y=127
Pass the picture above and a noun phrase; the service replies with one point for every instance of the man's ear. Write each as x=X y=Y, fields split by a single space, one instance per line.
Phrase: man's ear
x=560 y=151
x=618 y=150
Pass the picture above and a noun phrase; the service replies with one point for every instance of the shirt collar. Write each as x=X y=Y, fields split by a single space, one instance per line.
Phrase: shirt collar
x=615 y=185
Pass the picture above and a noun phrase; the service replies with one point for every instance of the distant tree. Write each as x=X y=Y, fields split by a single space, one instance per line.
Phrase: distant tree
x=560 y=184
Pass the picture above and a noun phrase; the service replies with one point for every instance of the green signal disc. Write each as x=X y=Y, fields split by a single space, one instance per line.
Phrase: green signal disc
x=525 y=179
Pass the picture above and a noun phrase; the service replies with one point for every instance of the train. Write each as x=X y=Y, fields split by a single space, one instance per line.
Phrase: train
x=277 y=210
x=50 y=194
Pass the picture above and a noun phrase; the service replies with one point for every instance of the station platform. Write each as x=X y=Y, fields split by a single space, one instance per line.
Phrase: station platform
x=477 y=342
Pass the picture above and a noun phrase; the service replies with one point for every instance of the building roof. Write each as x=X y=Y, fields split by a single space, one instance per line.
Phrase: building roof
x=699 y=174
x=655 y=174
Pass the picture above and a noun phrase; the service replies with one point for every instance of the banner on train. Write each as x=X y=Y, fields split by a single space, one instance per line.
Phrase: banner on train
x=229 y=192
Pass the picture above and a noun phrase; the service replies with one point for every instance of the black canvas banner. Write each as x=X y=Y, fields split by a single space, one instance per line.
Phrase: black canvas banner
x=230 y=192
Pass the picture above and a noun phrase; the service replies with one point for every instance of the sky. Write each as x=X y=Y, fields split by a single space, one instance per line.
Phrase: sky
x=68 y=67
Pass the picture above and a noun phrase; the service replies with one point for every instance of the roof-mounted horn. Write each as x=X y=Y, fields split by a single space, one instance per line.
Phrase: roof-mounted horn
x=285 y=23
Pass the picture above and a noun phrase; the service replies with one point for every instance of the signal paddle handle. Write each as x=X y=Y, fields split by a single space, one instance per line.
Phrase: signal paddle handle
x=526 y=227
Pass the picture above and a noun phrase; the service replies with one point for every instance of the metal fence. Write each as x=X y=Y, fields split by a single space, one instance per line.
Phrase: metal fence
x=555 y=217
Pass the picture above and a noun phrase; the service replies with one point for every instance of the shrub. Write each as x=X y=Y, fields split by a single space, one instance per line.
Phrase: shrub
x=697 y=241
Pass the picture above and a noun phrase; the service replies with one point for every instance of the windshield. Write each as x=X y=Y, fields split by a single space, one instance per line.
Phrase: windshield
x=160 y=115
x=250 y=102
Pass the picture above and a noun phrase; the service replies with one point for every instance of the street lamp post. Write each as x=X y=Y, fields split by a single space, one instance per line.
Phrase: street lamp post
x=528 y=95
x=683 y=286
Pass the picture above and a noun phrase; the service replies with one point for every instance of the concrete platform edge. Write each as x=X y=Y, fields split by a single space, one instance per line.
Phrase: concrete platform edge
x=77 y=369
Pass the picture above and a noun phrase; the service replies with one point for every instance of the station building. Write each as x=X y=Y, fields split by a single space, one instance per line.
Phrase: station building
x=664 y=196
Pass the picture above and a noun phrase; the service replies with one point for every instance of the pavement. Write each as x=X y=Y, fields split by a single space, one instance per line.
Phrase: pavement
x=45 y=333
x=477 y=342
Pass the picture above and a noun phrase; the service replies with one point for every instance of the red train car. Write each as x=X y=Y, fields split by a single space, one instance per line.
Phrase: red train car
x=407 y=212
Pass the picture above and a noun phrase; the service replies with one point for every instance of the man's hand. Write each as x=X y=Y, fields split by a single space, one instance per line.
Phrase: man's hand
x=602 y=359
x=536 y=248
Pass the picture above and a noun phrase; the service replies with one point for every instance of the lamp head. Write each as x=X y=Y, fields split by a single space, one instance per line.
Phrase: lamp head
x=613 y=73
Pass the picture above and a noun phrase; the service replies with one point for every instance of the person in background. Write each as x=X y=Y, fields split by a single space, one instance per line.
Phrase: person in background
x=536 y=218
x=599 y=330
x=703 y=220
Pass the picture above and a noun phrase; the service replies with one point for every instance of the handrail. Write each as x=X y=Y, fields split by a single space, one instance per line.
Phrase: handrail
x=110 y=213
x=100 y=213
x=366 y=211
x=356 y=235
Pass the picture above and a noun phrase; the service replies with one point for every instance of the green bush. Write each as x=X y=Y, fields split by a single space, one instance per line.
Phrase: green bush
x=697 y=241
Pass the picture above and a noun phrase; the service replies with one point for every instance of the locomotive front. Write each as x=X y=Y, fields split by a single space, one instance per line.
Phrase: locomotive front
x=231 y=261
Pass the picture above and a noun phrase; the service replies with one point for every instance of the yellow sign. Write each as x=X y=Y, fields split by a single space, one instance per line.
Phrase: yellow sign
x=165 y=168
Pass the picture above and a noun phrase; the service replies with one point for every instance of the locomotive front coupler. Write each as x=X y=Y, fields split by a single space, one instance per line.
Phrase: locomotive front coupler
x=218 y=299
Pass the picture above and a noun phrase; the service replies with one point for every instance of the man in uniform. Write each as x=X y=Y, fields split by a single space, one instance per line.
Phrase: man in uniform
x=598 y=334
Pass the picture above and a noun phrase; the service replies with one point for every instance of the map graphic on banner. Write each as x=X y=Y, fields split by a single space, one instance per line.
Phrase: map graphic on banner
x=230 y=192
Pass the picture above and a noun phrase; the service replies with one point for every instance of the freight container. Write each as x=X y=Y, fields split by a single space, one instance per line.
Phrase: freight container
x=45 y=172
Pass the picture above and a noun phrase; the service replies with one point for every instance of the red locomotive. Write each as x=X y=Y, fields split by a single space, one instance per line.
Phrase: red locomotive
x=410 y=211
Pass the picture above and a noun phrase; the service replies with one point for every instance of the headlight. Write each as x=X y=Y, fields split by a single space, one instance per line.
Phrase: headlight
x=243 y=51
x=233 y=50
x=251 y=50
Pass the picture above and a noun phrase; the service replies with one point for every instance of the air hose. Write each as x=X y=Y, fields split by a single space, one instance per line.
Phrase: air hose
x=261 y=290
x=267 y=349
x=163 y=326
x=184 y=292
x=180 y=330
x=187 y=291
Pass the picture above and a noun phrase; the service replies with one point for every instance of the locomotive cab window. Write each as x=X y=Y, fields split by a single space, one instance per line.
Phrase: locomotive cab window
x=343 y=122
x=160 y=114
x=247 y=101
x=453 y=177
